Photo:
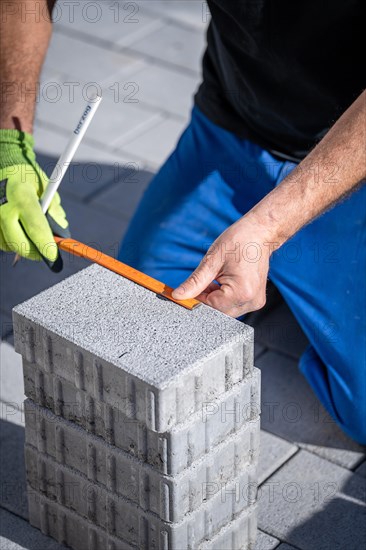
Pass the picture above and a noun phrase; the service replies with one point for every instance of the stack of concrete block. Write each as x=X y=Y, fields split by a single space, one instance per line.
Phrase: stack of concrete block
x=142 y=418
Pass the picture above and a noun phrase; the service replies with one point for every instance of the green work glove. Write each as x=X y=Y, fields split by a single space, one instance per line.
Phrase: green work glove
x=24 y=228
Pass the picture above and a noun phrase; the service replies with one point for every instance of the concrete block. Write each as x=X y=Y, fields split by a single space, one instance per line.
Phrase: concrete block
x=134 y=480
x=122 y=344
x=312 y=503
x=291 y=411
x=169 y=452
x=274 y=452
x=128 y=522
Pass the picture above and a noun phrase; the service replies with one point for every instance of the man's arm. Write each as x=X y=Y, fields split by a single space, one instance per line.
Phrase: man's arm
x=302 y=196
x=25 y=31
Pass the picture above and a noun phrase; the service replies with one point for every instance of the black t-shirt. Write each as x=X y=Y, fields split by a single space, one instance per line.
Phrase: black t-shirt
x=280 y=72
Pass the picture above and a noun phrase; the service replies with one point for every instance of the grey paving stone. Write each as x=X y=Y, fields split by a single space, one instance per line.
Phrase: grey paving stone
x=17 y=534
x=123 y=196
x=93 y=170
x=156 y=144
x=291 y=410
x=312 y=503
x=116 y=23
x=162 y=383
x=361 y=470
x=265 y=542
x=171 y=452
x=11 y=375
x=90 y=63
x=13 y=495
x=194 y=13
x=128 y=522
x=119 y=116
x=258 y=350
x=89 y=225
x=172 y=499
x=175 y=44
x=168 y=90
x=6 y=322
x=274 y=451
x=277 y=329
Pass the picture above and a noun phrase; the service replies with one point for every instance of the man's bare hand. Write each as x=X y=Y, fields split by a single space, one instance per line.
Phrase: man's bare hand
x=239 y=261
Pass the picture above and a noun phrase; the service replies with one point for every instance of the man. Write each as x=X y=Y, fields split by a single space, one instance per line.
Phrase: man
x=265 y=181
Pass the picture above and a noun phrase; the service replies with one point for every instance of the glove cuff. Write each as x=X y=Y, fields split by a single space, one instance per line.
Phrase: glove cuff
x=16 y=148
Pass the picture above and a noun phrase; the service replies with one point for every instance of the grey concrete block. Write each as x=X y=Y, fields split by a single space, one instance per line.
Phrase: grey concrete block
x=265 y=542
x=17 y=534
x=291 y=410
x=137 y=481
x=274 y=452
x=129 y=522
x=122 y=344
x=239 y=534
x=181 y=46
x=170 y=452
x=312 y=503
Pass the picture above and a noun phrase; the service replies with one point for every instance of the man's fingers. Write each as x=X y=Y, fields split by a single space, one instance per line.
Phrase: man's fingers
x=196 y=283
x=38 y=230
x=17 y=241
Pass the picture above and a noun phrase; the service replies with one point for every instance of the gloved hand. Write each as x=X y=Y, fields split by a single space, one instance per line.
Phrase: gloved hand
x=24 y=228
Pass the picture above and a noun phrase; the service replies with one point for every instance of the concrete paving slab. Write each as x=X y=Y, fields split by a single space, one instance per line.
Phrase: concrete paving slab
x=168 y=347
x=13 y=495
x=106 y=22
x=167 y=90
x=17 y=534
x=6 y=323
x=361 y=470
x=265 y=542
x=129 y=523
x=312 y=503
x=175 y=44
x=170 y=452
x=93 y=170
x=172 y=499
x=291 y=410
x=156 y=144
x=274 y=452
x=123 y=196
x=90 y=63
x=193 y=13
x=11 y=375
x=278 y=330
x=118 y=118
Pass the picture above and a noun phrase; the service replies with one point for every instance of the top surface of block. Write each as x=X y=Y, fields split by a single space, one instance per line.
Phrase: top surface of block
x=131 y=327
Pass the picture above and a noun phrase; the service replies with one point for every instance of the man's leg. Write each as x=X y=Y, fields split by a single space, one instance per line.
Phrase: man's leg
x=210 y=180
x=321 y=274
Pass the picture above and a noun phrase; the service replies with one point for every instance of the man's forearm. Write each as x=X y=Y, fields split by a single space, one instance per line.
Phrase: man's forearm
x=25 y=31
x=332 y=170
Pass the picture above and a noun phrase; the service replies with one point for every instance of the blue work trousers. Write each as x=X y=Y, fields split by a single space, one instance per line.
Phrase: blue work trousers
x=212 y=179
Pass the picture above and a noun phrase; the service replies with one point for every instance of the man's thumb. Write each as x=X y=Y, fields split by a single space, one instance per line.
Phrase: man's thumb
x=195 y=284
